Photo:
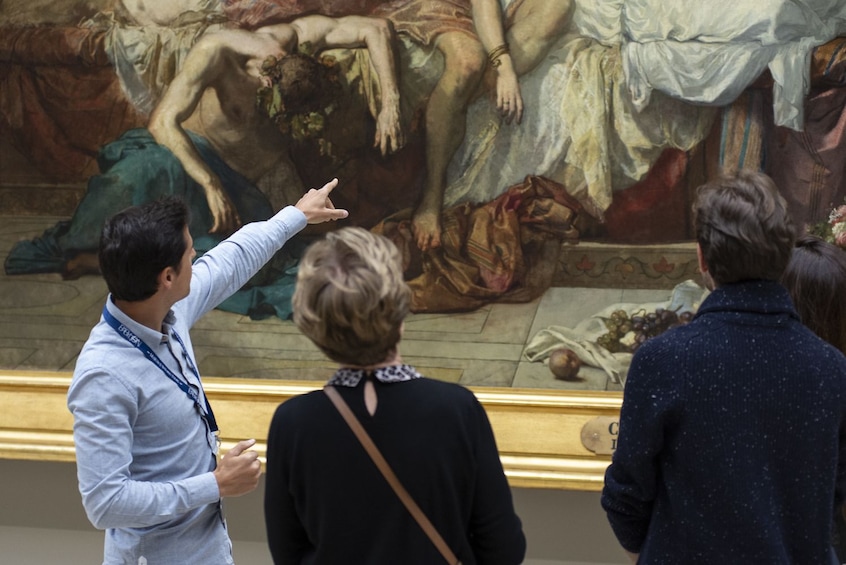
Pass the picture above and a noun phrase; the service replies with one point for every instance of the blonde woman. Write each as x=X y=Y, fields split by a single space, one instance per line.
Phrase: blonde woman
x=325 y=500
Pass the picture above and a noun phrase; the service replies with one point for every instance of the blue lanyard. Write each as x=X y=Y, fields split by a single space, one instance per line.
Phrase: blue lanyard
x=139 y=344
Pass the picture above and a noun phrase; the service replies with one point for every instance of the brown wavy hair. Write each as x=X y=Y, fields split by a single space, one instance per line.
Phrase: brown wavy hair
x=350 y=298
x=743 y=228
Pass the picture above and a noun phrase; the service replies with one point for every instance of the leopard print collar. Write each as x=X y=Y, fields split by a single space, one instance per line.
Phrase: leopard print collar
x=390 y=374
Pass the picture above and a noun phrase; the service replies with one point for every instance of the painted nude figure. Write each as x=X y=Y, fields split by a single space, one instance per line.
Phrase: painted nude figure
x=214 y=95
x=478 y=51
x=210 y=143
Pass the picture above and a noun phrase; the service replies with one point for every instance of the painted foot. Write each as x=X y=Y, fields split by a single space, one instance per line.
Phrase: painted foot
x=426 y=227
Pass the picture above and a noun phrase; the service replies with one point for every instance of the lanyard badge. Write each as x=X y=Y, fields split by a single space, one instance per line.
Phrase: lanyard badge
x=204 y=407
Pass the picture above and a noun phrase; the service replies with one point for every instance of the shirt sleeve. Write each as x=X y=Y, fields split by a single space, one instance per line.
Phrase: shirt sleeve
x=104 y=411
x=230 y=264
x=496 y=533
x=650 y=399
x=286 y=535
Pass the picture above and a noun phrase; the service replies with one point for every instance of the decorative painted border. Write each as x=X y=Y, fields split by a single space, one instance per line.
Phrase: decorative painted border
x=538 y=433
x=596 y=265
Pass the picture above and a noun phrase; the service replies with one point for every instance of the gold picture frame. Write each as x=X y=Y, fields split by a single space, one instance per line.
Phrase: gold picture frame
x=538 y=432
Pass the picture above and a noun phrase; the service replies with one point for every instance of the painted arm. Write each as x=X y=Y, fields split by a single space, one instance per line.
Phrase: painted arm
x=487 y=18
x=378 y=36
x=230 y=264
x=201 y=68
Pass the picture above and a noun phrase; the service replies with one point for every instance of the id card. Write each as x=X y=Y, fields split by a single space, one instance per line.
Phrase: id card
x=214 y=442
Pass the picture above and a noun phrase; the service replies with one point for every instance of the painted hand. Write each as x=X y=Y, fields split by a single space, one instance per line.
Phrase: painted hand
x=389 y=136
x=509 y=100
x=224 y=215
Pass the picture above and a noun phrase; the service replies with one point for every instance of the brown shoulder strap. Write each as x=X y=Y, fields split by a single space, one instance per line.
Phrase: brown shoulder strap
x=392 y=479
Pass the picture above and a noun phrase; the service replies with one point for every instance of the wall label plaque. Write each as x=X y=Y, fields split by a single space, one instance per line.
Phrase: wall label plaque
x=600 y=434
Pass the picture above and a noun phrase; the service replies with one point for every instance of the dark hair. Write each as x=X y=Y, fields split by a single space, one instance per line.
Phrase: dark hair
x=743 y=228
x=299 y=86
x=816 y=279
x=137 y=244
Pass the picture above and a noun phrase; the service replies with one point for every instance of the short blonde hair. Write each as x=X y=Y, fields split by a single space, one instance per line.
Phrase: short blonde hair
x=350 y=298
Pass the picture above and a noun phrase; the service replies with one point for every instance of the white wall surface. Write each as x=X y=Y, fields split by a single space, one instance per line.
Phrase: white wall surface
x=42 y=522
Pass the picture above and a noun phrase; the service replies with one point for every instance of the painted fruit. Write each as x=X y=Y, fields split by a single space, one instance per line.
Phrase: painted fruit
x=564 y=364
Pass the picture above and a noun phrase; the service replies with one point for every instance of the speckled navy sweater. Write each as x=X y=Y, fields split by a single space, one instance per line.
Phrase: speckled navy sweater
x=732 y=445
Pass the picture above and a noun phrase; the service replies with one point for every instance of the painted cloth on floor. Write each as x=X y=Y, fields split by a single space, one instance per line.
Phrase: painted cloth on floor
x=135 y=169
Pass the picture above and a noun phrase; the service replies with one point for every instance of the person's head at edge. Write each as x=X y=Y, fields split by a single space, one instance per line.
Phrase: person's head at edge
x=816 y=279
x=743 y=229
x=138 y=244
x=350 y=298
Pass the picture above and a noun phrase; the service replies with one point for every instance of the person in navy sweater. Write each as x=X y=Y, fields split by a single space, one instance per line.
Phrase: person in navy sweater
x=732 y=445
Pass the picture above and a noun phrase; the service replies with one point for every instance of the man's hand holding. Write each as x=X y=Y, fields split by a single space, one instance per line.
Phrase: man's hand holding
x=318 y=207
x=238 y=471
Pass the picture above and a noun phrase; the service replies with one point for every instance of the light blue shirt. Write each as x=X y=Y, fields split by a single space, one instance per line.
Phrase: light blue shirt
x=144 y=454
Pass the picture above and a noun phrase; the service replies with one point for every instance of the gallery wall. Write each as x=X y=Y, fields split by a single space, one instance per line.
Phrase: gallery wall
x=42 y=522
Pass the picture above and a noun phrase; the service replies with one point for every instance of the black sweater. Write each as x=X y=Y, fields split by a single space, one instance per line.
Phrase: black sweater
x=326 y=502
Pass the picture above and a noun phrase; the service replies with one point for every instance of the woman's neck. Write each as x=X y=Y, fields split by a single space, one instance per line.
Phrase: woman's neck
x=394 y=359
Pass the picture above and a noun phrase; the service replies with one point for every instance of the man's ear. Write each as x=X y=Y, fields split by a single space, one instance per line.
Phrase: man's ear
x=703 y=266
x=707 y=279
x=166 y=277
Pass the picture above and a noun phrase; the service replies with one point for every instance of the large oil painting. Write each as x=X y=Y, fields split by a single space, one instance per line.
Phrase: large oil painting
x=534 y=160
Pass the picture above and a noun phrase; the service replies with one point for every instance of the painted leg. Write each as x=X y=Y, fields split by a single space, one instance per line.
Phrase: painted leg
x=446 y=111
x=537 y=25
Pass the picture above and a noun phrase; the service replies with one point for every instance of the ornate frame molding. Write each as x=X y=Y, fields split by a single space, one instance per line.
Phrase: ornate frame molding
x=538 y=433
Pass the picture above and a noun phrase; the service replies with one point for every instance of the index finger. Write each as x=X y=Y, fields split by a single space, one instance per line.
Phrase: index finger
x=327 y=188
